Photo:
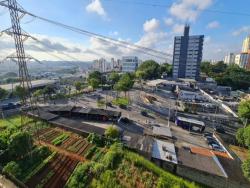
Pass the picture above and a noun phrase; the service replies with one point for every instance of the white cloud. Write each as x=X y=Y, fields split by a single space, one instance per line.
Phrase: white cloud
x=213 y=25
x=178 y=28
x=207 y=39
x=244 y=29
x=169 y=21
x=188 y=10
x=96 y=7
x=114 y=33
x=151 y=25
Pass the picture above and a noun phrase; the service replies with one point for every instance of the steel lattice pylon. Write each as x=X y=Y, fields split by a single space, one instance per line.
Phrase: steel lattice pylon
x=21 y=58
x=24 y=77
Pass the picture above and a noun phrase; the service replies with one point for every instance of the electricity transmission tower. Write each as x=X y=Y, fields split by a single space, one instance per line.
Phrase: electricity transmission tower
x=21 y=59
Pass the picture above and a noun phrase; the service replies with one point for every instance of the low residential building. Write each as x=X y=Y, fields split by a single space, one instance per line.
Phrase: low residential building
x=129 y=63
x=164 y=151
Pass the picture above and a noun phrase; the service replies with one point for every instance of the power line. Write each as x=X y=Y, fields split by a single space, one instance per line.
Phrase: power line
x=145 y=50
x=169 y=5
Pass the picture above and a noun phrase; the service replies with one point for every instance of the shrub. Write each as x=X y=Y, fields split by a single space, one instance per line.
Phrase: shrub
x=246 y=168
x=115 y=152
x=106 y=180
x=95 y=139
x=13 y=168
x=121 y=101
x=91 y=152
x=97 y=169
x=79 y=178
x=20 y=144
x=112 y=132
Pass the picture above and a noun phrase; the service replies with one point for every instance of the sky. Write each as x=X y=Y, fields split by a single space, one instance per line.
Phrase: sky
x=134 y=21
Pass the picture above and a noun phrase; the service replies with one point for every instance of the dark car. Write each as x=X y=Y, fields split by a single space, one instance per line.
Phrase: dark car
x=109 y=104
x=210 y=142
x=144 y=113
x=124 y=120
x=122 y=106
x=208 y=134
x=219 y=129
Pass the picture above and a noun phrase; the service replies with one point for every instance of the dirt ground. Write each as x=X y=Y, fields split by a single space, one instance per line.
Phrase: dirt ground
x=5 y=183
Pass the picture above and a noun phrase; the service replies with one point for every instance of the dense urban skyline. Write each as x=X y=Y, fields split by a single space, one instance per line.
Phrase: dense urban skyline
x=155 y=25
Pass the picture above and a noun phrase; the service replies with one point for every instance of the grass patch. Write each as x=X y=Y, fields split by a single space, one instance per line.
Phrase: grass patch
x=121 y=101
x=59 y=140
x=100 y=103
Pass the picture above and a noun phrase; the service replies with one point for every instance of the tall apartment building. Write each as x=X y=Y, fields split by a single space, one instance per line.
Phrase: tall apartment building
x=229 y=59
x=237 y=59
x=187 y=55
x=246 y=45
x=100 y=65
x=129 y=63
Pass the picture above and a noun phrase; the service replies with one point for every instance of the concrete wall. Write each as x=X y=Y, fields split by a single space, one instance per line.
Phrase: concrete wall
x=207 y=179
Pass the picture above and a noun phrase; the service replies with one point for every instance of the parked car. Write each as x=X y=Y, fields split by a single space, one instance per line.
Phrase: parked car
x=219 y=129
x=122 y=106
x=109 y=104
x=217 y=148
x=210 y=142
x=124 y=120
x=208 y=134
x=208 y=138
x=144 y=113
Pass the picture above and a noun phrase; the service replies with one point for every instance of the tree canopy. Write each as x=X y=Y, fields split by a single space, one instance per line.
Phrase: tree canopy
x=20 y=144
x=95 y=79
x=148 y=70
x=114 y=77
x=21 y=92
x=243 y=135
x=125 y=83
x=244 y=109
x=13 y=168
x=232 y=75
x=3 y=93
x=112 y=132
x=166 y=68
x=78 y=85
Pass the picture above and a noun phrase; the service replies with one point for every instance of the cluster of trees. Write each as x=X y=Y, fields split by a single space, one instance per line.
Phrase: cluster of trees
x=3 y=93
x=150 y=69
x=227 y=75
x=111 y=136
x=125 y=83
x=121 y=83
x=146 y=71
x=243 y=134
x=16 y=145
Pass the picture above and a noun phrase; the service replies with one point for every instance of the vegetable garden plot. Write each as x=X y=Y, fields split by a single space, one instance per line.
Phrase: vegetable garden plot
x=55 y=174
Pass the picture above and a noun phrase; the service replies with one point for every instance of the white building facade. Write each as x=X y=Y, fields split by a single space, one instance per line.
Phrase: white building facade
x=229 y=59
x=129 y=63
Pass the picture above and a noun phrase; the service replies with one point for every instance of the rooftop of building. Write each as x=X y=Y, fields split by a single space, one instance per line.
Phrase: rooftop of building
x=200 y=159
x=154 y=83
x=164 y=151
x=190 y=120
x=138 y=142
x=162 y=131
